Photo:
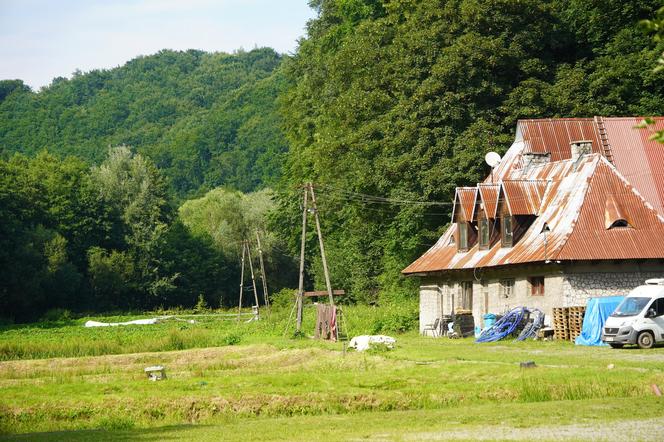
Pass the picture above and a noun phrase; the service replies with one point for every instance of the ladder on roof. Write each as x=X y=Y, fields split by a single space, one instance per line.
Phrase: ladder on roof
x=604 y=139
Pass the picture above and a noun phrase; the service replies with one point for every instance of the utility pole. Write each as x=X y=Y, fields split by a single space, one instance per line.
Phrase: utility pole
x=322 y=247
x=260 y=259
x=239 y=308
x=300 y=287
x=253 y=280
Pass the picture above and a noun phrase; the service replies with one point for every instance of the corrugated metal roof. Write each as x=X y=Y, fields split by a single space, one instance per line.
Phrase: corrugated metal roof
x=555 y=135
x=464 y=203
x=572 y=197
x=639 y=160
x=613 y=212
x=523 y=197
x=489 y=198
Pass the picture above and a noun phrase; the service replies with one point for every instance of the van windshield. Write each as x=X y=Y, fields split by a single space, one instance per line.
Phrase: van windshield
x=631 y=306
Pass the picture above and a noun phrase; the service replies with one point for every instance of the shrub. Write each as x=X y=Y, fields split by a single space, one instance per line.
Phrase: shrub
x=201 y=305
x=57 y=315
x=283 y=299
x=232 y=338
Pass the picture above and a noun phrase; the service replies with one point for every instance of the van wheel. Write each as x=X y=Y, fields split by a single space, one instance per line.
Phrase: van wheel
x=616 y=345
x=645 y=340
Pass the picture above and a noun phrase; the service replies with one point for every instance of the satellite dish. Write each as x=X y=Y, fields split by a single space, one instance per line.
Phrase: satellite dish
x=492 y=159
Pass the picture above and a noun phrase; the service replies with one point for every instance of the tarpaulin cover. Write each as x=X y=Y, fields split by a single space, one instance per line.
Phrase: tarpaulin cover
x=597 y=310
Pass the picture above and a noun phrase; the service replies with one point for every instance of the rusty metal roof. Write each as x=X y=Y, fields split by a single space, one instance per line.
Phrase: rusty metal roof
x=523 y=197
x=464 y=203
x=555 y=135
x=489 y=198
x=574 y=198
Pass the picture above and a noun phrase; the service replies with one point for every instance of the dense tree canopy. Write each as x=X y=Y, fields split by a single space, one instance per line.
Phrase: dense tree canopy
x=403 y=98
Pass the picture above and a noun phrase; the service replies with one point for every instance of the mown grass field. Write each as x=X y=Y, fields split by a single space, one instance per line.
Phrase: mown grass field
x=71 y=383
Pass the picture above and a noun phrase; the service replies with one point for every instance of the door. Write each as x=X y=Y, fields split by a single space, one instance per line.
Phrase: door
x=658 y=305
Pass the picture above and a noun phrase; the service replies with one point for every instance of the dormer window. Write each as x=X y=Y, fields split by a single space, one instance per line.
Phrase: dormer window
x=507 y=237
x=619 y=223
x=464 y=244
x=484 y=233
x=615 y=216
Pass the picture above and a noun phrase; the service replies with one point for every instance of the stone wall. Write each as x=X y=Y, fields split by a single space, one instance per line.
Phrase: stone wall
x=605 y=280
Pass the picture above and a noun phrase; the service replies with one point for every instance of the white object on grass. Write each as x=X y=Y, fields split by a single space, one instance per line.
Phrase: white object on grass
x=149 y=321
x=365 y=342
x=156 y=372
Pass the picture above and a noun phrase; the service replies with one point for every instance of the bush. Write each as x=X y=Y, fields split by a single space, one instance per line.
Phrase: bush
x=396 y=318
x=201 y=305
x=57 y=315
x=232 y=339
x=283 y=299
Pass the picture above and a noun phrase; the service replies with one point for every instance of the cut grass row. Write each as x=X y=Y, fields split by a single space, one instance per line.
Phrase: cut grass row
x=288 y=378
x=595 y=419
x=71 y=339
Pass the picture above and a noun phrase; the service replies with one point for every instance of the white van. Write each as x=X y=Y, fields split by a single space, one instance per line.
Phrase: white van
x=639 y=319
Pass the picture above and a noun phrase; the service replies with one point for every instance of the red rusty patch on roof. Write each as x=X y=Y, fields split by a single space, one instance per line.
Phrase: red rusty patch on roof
x=555 y=135
x=464 y=203
x=614 y=212
x=639 y=160
x=489 y=198
x=523 y=197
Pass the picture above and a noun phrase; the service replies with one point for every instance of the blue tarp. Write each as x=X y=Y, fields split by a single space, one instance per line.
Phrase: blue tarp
x=597 y=310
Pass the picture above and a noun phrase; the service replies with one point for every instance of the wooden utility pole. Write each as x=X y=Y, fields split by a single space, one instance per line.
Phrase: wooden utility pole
x=251 y=269
x=239 y=308
x=300 y=289
x=322 y=247
x=260 y=259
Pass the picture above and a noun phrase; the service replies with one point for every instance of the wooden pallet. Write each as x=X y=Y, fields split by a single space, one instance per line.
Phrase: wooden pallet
x=568 y=322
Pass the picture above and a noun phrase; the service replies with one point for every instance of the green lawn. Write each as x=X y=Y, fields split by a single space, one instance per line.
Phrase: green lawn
x=269 y=388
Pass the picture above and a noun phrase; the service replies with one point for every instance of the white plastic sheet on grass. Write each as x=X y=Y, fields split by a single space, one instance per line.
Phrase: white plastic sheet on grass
x=149 y=321
x=365 y=342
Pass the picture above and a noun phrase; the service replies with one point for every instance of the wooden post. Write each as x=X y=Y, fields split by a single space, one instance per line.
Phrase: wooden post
x=300 y=289
x=260 y=260
x=239 y=307
x=322 y=247
x=253 y=280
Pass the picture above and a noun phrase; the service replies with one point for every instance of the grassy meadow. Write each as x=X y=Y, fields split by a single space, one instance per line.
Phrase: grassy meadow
x=246 y=381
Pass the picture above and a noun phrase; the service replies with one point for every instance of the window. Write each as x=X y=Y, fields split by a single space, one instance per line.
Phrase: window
x=467 y=295
x=484 y=233
x=658 y=305
x=619 y=223
x=463 y=236
x=506 y=287
x=536 y=285
x=507 y=228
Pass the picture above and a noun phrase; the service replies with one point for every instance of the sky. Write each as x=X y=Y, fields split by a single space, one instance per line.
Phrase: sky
x=42 y=39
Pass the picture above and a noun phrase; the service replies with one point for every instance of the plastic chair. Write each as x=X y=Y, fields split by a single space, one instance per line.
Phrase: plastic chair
x=433 y=327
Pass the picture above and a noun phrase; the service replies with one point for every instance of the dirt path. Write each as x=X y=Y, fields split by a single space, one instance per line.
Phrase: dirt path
x=632 y=430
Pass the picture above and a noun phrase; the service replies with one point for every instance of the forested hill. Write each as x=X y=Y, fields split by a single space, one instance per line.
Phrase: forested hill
x=205 y=119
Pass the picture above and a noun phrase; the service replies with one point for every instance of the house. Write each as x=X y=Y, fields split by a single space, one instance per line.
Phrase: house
x=575 y=209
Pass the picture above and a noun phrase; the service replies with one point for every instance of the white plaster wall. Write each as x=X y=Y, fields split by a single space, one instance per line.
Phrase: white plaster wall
x=430 y=305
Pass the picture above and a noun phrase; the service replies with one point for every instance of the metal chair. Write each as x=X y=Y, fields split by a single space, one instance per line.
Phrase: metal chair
x=433 y=327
